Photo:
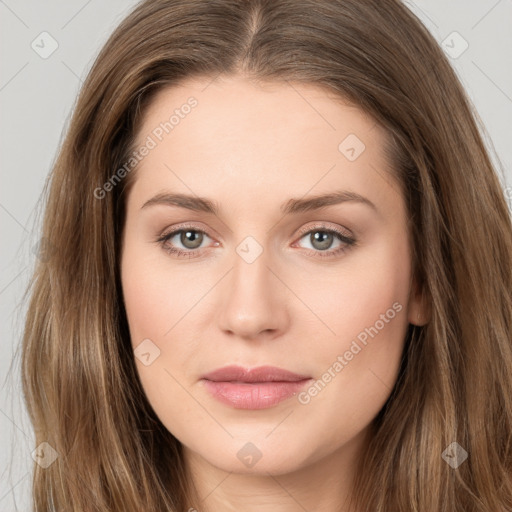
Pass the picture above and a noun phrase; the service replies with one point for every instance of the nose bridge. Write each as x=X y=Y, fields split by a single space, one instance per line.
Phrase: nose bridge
x=250 y=280
x=254 y=300
x=251 y=264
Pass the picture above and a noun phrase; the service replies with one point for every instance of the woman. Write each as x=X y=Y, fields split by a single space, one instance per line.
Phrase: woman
x=184 y=350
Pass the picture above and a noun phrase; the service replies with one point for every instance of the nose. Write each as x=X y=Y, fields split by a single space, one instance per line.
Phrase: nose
x=254 y=301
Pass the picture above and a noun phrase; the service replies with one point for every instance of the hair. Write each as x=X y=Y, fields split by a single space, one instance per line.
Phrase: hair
x=79 y=378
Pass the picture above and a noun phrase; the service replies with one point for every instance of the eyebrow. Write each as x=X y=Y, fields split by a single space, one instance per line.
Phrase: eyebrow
x=202 y=204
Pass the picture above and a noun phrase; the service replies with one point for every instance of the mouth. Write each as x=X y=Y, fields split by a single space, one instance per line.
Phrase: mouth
x=257 y=388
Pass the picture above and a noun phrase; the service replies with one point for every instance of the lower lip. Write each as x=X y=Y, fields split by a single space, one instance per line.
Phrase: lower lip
x=256 y=395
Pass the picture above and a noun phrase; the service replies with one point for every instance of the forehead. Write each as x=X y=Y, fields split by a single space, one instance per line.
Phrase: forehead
x=233 y=135
x=277 y=111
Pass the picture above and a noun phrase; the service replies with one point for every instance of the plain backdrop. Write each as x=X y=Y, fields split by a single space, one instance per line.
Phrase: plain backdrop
x=37 y=94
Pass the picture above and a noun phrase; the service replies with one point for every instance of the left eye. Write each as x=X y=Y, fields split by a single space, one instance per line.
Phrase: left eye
x=322 y=239
x=191 y=239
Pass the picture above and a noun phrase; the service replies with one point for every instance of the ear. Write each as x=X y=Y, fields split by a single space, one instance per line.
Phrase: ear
x=418 y=308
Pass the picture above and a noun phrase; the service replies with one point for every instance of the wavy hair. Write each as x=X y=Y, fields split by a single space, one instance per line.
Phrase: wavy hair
x=79 y=378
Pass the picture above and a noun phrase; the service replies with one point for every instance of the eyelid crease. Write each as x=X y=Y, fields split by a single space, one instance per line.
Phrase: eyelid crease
x=322 y=226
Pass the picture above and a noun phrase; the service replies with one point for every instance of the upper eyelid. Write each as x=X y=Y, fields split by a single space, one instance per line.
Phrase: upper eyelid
x=184 y=226
x=321 y=225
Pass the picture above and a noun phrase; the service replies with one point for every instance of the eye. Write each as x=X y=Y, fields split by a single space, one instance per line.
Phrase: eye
x=322 y=238
x=189 y=237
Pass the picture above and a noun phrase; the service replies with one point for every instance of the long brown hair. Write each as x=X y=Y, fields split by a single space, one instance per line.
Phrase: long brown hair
x=455 y=382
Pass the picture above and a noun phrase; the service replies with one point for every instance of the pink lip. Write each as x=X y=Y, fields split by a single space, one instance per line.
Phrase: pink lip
x=258 y=388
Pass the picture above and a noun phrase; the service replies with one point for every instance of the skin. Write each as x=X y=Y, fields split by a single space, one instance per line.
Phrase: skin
x=251 y=147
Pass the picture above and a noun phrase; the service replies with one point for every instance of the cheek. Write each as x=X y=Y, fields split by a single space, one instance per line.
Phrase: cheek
x=153 y=296
x=146 y=304
x=157 y=299
x=357 y=367
x=153 y=308
x=366 y=310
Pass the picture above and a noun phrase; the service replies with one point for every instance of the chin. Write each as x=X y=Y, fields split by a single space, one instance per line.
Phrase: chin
x=256 y=458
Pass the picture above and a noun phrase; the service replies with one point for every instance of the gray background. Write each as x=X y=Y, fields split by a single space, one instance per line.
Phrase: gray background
x=36 y=98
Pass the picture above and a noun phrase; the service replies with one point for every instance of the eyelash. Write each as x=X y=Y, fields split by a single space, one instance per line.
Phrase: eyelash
x=350 y=242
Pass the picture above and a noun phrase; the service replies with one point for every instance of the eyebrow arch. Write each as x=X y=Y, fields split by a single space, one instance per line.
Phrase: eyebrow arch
x=292 y=206
x=323 y=200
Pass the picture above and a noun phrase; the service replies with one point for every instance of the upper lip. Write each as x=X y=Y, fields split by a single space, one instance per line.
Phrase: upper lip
x=259 y=374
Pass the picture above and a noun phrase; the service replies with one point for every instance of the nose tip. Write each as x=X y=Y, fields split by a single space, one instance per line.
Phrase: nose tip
x=254 y=304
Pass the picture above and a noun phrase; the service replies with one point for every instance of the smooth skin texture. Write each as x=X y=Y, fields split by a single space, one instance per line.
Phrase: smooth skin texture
x=250 y=148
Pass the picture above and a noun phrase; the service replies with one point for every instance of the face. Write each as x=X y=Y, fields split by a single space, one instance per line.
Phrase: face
x=231 y=257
